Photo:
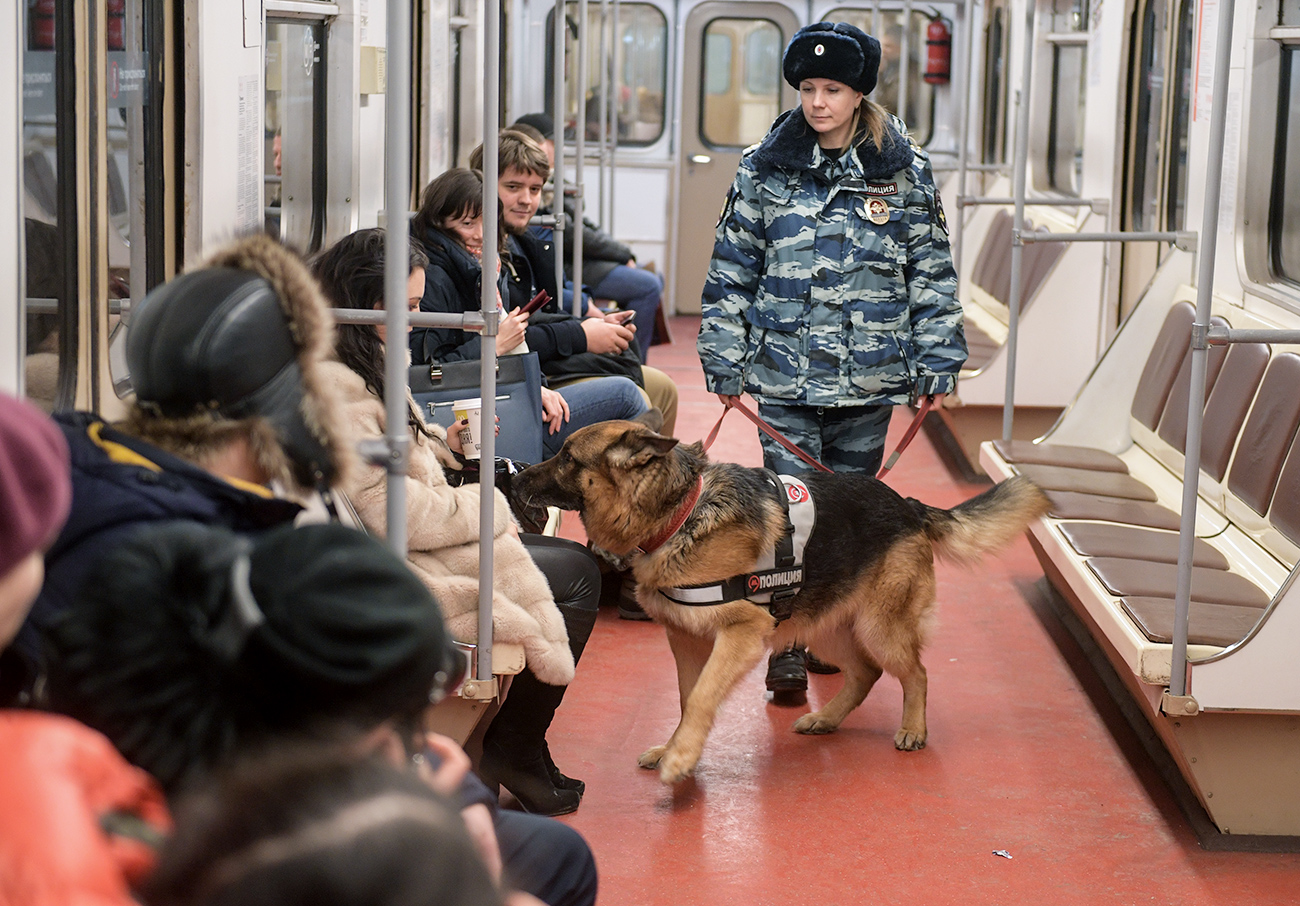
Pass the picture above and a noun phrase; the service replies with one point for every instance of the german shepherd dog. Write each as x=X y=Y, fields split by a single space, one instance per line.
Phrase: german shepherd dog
x=868 y=597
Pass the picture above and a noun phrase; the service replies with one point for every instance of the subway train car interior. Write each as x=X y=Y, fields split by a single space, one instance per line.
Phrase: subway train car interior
x=1114 y=708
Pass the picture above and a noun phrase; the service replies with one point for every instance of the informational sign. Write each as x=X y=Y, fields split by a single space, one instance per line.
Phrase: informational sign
x=1207 y=27
x=248 y=181
x=127 y=79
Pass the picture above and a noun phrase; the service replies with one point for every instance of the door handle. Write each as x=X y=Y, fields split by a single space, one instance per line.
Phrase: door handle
x=701 y=159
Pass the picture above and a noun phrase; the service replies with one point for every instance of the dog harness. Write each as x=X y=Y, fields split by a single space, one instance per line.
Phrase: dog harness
x=778 y=574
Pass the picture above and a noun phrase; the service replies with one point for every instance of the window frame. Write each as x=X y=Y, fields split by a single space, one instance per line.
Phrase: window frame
x=700 y=133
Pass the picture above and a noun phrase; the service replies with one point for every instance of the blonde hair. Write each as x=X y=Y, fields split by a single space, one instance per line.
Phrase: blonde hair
x=868 y=123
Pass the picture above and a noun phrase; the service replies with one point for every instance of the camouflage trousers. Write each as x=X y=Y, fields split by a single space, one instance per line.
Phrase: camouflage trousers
x=847 y=439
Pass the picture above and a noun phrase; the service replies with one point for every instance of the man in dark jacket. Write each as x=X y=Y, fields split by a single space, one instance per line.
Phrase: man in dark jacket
x=522 y=170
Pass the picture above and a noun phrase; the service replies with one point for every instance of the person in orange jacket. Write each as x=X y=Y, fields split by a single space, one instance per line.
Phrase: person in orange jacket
x=79 y=824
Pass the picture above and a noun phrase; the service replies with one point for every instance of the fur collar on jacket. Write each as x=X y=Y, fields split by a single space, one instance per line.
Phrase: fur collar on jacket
x=790 y=144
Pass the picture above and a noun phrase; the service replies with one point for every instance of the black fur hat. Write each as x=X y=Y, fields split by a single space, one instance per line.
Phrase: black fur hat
x=833 y=50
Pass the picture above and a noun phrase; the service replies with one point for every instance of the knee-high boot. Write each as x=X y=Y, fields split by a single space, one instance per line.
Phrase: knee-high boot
x=515 y=754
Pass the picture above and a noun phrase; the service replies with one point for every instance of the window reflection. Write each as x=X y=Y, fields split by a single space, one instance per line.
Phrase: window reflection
x=1284 y=222
x=293 y=151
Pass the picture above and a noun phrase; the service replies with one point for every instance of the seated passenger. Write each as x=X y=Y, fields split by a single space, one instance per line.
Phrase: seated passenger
x=609 y=269
x=212 y=425
x=449 y=228
x=443 y=535
x=593 y=345
x=319 y=826
x=78 y=823
x=193 y=647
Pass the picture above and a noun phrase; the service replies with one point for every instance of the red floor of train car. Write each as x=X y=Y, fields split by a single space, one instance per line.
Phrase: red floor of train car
x=1032 y=789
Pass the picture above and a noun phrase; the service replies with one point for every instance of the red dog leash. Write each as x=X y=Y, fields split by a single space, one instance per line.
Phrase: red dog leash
x=926 y=404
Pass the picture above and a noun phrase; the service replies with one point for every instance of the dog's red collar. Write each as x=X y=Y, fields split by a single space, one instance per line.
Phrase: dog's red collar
x=679 y=519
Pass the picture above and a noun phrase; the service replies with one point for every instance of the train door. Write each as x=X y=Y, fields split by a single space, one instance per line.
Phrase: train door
x=99 y=179
x=732 y=89
x=1159 y=113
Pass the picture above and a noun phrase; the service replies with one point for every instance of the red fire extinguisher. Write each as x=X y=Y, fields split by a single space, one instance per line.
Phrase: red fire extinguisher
x=938 y=52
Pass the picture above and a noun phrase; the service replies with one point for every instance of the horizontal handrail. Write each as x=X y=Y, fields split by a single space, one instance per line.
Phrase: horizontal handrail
x=1183 y=239
x=1223 y=336
x=470 y=320
x=971 y=200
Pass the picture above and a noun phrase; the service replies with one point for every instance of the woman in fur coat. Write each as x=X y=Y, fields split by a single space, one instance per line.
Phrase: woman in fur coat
x=545 y=590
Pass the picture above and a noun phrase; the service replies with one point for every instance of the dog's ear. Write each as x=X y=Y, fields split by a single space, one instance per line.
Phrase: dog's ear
x=637 y=447
x=652 y=418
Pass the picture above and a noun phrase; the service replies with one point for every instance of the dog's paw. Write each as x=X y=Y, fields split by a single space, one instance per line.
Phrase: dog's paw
x=650 y=758
x=675 y=766
x=906 y=740
x=815 y=724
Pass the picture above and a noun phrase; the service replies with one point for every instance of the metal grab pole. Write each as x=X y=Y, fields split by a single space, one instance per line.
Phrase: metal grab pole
x=963 y=156
x=617 y=45
x=1017 y=249
x=905 y=60
x=1200 y=349
x=580 y=151
x=603 y=144
x=488 y=378
x=397 y=192
x=557 y=140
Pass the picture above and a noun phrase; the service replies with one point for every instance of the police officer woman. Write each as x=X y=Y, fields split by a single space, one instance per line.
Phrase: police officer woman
x=831 y=296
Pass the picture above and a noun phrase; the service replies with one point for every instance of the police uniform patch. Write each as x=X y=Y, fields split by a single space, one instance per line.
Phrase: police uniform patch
x=877 y=211
x=938 y=210
x=878 y=189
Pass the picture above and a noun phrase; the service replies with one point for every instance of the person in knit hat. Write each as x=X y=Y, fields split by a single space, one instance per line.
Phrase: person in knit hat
x=831 y=296
x=230 y=423
x=194 y=647
x=78 y=823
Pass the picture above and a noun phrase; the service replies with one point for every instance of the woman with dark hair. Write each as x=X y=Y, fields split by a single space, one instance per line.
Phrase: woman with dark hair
x=530 y=580
x=314 y=825
x=449 y=228
x=193 y=649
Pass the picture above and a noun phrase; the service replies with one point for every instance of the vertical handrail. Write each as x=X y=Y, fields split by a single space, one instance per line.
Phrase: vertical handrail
x=557 y=141
x=397 y=175
x=1017 y=248
x=1200 y=349
x=603 y=120
x=617 y=46
x=488 y=357
x=905 y=60
x=963 y=155
x=580 y=151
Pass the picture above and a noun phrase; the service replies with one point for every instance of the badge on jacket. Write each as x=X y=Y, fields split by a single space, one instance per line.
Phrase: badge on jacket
x=877 y=211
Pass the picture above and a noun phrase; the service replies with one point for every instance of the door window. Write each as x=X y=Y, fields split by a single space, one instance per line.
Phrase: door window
x=1284 y=220
x=294 y=154
x=1067 y=40
x=740 y=81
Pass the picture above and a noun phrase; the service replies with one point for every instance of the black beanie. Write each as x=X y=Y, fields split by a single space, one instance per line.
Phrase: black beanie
x=833 y=50
x=189 y=641
x=542 y=122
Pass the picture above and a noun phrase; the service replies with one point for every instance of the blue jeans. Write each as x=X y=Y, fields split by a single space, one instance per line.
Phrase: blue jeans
x=592 y=401
x=638 y=290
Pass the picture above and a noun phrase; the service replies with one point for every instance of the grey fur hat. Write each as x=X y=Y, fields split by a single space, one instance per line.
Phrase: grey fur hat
x=833 y=50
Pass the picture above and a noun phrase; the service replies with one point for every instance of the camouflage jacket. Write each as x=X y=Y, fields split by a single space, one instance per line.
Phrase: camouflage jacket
x=831 y=282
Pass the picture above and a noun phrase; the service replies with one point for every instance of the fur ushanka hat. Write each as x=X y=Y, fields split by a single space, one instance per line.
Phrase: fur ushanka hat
x=833 y=50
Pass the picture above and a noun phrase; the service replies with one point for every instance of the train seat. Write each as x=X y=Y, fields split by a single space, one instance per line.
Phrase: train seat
x=987 y=309
x=1112 y=532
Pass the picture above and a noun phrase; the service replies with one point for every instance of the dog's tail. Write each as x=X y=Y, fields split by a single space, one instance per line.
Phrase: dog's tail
x=985 y=523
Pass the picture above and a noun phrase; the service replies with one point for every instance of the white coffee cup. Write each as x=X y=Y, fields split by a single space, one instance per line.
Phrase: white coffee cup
x=471 y=436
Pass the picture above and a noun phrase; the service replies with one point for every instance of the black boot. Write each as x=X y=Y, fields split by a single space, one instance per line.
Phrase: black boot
x=515 y=754
x=787 y=675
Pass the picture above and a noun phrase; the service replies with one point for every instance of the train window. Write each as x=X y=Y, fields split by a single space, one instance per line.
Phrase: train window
x=1067 y=38
x=918 y=111
x=640 y=70
x=1180 y=123
x=294 y=156
x=46 y=265
x=1284 y=219
x=997 y=40
x=742 y=96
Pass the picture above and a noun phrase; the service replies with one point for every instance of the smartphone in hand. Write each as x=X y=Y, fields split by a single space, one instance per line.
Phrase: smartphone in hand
x=536 y=302
x=623 y=317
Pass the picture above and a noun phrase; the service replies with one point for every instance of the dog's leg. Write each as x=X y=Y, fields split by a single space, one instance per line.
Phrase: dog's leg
x=911 y=736
x=860 y=674
x=737 y=648
x=691 y=653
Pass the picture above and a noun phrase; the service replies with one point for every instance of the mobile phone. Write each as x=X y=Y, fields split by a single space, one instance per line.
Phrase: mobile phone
x=536 y=302
x=625 y=317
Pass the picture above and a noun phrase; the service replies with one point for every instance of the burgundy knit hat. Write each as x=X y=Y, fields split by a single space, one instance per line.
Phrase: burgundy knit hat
x=35 y=488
